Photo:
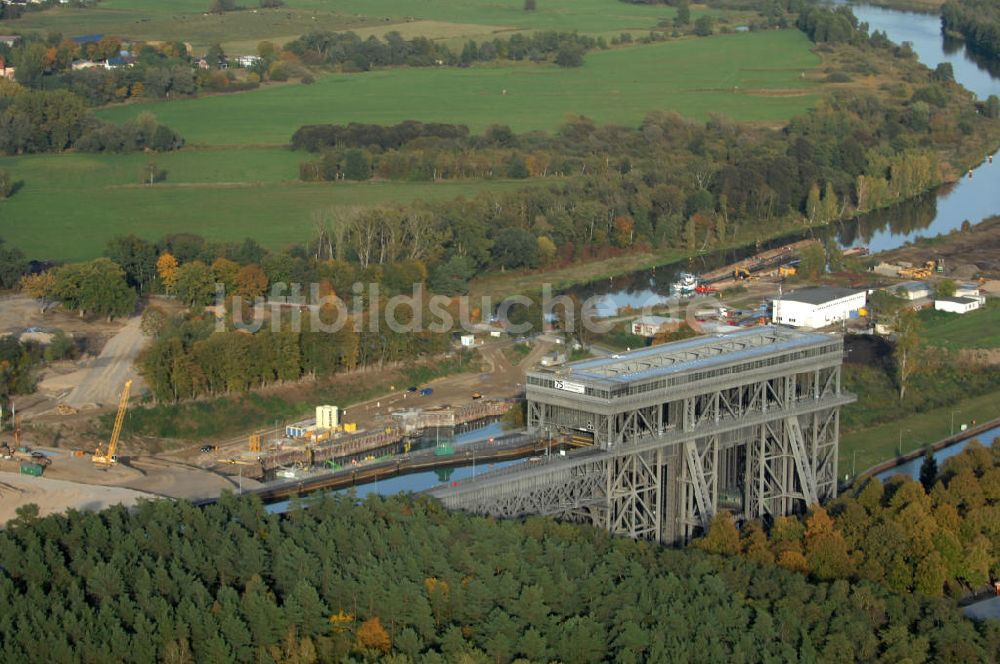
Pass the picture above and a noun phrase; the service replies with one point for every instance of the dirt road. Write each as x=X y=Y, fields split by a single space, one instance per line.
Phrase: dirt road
x=101 y=383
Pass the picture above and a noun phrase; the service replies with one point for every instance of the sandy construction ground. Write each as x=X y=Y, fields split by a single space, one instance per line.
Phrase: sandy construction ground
x=54 y=496
x=101 y=383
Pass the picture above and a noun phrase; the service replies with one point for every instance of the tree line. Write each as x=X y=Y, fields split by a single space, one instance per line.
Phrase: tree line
x=401 y=579
x=978 y=21
x=53 y=121
x=188 y=359
x=939 y=536
x=350 y=52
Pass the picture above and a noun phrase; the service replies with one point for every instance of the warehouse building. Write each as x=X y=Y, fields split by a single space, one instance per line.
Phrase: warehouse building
x=818 y=307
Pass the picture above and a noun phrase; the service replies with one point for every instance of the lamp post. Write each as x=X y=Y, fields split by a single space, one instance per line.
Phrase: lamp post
x=953 y=420
x=900 y=448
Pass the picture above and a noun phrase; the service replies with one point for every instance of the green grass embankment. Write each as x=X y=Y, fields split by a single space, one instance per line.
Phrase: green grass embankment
x=864 y=448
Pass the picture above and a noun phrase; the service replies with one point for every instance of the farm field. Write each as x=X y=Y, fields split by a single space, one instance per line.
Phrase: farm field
x=187 y=20
x=71 y=204
x=758 y=77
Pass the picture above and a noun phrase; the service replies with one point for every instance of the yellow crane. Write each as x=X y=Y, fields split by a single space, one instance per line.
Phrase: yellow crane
x=109 y=458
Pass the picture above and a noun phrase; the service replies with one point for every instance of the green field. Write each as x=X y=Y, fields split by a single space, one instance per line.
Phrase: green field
x=976 y=329
x=186 y=20
x=751 y=77
x=71 y=204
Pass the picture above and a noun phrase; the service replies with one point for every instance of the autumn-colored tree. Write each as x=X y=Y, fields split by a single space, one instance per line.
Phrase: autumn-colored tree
x=754 y=545
x=39 y=286
x=546 y=249
x=786 y=535
x=225 y=271
x=373 y=637
x=794 y=561
x=825 y=548
x=723 y=537
x=166 y=267
x=624 y=231
x=251 y=282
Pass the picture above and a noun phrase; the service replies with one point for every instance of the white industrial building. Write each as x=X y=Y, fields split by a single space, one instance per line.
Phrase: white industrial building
x=970 y=290
x=911 y=290
x=817 y=307
x=957 y=305
x=650 y=326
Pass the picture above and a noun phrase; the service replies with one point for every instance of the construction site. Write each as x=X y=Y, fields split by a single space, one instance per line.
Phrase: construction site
x=325 y=442
x=339 y=445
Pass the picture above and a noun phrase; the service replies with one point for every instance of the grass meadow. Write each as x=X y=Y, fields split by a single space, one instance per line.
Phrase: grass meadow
x=71 y=204
x=187 y=20
x=976 y=329
x=750 y=77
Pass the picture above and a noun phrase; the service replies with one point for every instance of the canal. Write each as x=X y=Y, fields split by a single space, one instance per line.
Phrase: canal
x=912 y=467
x=421 y=481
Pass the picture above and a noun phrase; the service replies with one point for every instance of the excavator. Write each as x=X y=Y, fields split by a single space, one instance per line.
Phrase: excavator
x=109 y=458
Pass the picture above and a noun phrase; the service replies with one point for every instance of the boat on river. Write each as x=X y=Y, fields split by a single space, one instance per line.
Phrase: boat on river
x=685 y=285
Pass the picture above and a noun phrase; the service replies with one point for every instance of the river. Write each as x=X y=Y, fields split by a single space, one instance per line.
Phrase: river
x=938 y=212
x=973 y=199
x=969 y=199
x=912 y=467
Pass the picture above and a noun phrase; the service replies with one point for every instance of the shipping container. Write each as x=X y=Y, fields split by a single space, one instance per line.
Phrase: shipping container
x=33 y=469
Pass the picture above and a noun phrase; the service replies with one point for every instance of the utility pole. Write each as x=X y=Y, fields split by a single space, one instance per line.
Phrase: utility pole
x=953 y=420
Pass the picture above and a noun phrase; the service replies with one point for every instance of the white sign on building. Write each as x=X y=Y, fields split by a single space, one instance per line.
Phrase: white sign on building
x=570 y=387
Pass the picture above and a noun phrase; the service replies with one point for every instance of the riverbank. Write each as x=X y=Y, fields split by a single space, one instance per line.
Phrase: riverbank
x=870 y=448
x=969 y=434
x=965 y=253
x=918 y=6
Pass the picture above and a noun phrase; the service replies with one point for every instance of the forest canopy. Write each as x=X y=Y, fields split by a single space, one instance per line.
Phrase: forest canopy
x=336 y=580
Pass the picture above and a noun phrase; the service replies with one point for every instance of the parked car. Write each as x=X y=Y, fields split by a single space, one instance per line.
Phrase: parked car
x=411 y=388
x=208 y=448
x=426 y=392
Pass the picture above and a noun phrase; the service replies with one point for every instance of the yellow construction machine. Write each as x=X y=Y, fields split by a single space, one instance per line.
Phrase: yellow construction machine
x=106 y=459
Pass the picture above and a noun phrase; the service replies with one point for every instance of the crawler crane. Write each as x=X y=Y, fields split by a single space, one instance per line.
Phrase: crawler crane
x=109 y=458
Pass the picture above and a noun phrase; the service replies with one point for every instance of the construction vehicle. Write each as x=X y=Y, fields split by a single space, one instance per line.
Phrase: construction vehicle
x=787 y=271
x=109 y=457
x=702 y=289
x=914 y=272
x=936 y=265
x=741 y=274
x=64 y=409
